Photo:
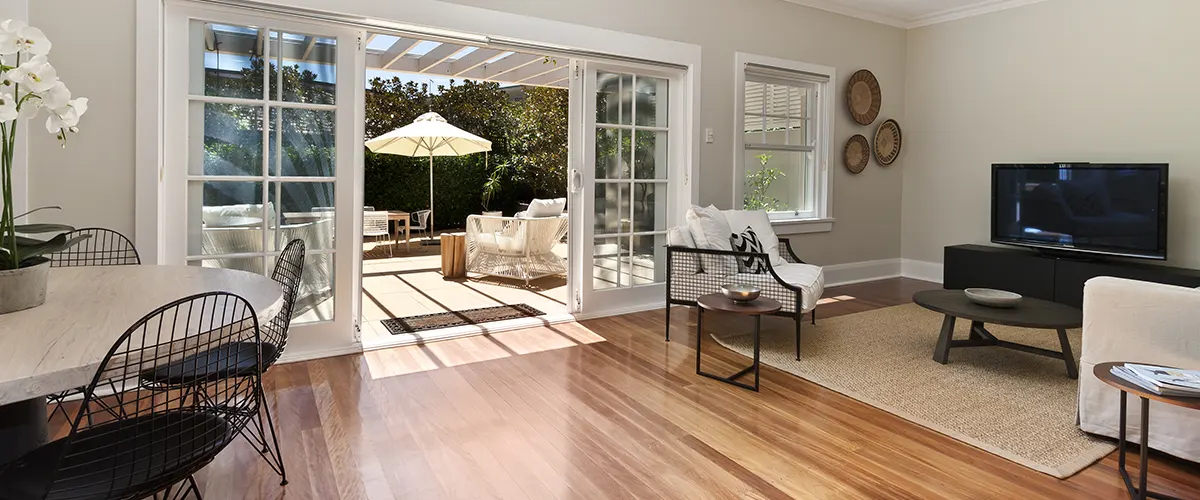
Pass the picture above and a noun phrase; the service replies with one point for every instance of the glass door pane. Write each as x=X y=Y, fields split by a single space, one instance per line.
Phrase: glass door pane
x=627 y=138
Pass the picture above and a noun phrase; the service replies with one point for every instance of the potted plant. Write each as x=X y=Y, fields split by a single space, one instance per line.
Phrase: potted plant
x=492 y=187
x=30 y=84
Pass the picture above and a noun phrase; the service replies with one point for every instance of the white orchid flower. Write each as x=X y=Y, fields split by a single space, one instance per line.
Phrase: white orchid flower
x=8 y=107
x=16 y=36
x=58 y=96
x=66 y=118
x=35 y=75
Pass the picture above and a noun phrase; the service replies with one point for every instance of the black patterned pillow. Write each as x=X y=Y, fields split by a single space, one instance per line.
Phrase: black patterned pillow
x=748 y=242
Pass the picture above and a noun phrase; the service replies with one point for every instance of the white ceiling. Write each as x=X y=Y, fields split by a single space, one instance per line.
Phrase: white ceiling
x=913 y=13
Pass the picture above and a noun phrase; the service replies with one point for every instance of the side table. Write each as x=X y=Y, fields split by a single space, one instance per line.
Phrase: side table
x=454 y=255
x=721 y=303
x=1103 y=371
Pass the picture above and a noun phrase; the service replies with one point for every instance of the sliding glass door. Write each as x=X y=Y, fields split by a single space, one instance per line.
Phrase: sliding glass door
x=263 y=116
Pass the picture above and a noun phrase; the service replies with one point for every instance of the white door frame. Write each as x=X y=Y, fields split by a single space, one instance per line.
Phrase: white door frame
x=423 y=15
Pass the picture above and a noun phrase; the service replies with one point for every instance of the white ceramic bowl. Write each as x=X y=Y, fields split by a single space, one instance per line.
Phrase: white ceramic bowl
x=740 y=293
x=992 y=298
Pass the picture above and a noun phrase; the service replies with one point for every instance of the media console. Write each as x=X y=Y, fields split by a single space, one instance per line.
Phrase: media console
x=1054 y=278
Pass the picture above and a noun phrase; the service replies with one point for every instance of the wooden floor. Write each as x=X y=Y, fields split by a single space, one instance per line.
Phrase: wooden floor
x=607 y=409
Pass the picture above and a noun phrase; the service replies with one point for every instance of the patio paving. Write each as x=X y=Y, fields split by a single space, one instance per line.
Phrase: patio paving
x=411 y=284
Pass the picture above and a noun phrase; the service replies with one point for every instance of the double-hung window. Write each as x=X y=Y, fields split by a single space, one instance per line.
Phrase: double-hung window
x=784 y=134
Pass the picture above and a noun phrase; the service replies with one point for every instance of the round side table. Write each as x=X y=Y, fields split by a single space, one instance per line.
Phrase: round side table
x=721 y=303
x=1103 y=371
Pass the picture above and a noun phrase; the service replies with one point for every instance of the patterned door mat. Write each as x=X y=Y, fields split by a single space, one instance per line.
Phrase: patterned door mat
x=424 y=322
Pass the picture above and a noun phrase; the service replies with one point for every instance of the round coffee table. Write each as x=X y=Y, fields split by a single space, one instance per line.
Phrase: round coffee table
x=1103 y=371
x=756 y=308
x=1030 y=313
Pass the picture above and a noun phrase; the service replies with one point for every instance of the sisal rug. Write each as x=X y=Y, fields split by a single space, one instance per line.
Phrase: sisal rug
x=412 y=324
x=1016 y=405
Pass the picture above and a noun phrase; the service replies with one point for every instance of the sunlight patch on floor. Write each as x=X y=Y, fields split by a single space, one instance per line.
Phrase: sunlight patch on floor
x=406 y=360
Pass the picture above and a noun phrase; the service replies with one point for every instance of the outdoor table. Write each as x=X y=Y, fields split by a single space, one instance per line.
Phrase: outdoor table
x=399 y=215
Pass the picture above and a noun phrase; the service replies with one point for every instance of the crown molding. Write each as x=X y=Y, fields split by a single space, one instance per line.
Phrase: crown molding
x=981 y=8
x=845 y=10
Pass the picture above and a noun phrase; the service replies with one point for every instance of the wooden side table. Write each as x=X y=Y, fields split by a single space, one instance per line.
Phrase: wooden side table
x=756 y=308
x=454 y=255
x=1103 y=371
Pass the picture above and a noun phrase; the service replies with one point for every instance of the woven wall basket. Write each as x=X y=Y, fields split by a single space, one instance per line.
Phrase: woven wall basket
x=856 y=154
x=864 y=97
x=888 y=140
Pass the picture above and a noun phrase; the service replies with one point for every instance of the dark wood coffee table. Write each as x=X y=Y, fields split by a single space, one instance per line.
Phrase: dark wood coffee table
x=1030 y=313
x=756 y=308
x=1103 y=371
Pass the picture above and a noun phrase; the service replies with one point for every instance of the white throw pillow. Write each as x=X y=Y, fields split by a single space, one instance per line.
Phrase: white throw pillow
x=739 y=220
x=680 y=236
x=711 y=232
x=546 y=208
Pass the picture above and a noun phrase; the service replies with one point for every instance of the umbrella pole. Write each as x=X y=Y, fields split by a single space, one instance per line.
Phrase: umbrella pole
x=431 y=198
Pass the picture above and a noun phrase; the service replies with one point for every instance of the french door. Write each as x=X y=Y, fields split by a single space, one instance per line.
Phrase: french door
x=625 y=189
x=262 y=119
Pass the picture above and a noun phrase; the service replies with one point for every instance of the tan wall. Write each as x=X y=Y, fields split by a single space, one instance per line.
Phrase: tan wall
x=94 y=177
x=1065 y=80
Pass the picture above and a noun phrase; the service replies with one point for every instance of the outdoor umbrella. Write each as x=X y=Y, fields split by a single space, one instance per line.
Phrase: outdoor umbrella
x=429 y=135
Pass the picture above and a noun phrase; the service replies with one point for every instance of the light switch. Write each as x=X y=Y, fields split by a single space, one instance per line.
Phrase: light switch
x=708 y=136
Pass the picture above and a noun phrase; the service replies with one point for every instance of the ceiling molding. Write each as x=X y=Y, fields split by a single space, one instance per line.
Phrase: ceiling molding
x=979 y=9
x=846 y=10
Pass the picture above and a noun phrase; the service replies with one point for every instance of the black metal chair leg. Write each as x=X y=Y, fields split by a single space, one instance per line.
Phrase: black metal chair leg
x=799 y=321
x=274 y=438
x=668 y=327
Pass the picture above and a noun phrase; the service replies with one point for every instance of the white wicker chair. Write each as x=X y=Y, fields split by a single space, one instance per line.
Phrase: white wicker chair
x=420 y=223
x=376 y=224
x=512 y=247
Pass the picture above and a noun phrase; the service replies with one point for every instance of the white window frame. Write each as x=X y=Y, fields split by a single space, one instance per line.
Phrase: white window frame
x=823 y=78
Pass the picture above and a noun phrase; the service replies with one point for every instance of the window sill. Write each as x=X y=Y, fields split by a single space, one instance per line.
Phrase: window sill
x=802 y=226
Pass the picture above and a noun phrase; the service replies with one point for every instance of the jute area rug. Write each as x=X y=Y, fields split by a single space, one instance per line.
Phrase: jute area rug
x=1012 y=404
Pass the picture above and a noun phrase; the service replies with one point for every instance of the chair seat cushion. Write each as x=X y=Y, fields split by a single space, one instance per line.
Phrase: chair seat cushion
x=230 y=360
x=808 y=278
x=121 y=459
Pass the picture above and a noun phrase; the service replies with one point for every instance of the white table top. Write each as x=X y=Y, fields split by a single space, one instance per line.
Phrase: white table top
x=59 y=345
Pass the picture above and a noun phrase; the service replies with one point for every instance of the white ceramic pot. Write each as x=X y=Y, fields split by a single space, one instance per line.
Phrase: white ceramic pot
x=24 y=288
x=493 y=213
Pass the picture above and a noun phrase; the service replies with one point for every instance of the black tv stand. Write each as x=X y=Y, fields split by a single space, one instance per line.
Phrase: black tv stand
x=1069 y=255
x=1055 y=278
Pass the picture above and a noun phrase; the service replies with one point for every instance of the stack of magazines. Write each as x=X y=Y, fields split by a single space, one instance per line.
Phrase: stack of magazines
x=1161 y=380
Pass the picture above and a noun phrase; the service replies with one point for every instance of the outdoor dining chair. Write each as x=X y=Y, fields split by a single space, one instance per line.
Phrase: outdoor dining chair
x=375 y=224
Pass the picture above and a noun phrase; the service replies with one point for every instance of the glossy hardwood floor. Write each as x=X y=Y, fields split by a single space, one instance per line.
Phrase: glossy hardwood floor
x=607 y=409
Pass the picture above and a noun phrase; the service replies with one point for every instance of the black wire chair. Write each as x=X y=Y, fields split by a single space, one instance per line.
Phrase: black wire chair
x=260 y=432
x=139 y=443
x=105 y=247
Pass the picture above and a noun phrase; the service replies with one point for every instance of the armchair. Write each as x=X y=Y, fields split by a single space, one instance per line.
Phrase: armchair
x=1138 y=321
x=694 y=272
x=513 y=247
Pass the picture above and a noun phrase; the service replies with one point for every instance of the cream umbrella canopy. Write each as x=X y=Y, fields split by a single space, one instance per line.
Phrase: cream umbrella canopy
x=429 y=135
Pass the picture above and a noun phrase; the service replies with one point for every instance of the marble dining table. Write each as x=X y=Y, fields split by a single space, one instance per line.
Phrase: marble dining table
x=59 y=346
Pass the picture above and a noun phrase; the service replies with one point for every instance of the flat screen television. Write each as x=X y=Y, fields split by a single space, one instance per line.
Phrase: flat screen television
x=1108 y=209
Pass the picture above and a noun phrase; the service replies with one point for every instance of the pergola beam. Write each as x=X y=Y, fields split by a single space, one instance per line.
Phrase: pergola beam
x=396 y=51
x=530 y=71
x=309 y=42
x=437 y=55
x=556 y=74
x=495 y=69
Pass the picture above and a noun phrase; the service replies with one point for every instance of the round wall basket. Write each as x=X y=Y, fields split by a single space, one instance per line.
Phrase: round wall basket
x=864 y=97
x=888 y=141
x=856 y=154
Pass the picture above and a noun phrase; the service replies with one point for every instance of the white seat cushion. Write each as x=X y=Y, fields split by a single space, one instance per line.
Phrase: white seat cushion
x=739 y=220
x=808 y=278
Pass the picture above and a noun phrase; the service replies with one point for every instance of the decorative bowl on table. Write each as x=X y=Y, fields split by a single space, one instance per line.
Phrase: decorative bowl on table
x=992 y=298
x=740 y=293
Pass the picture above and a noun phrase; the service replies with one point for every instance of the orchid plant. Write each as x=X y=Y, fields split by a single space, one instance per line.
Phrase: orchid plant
x=30 y=84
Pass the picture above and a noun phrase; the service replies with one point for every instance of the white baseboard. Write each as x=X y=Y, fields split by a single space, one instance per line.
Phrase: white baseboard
x=658 y=304
x=297 y=356
x=860 y=272
x=921 y=270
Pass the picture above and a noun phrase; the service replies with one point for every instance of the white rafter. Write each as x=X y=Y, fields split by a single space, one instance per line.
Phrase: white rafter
x=309 y=42
x=476 y=63
x=396 y=51
x=437 y=55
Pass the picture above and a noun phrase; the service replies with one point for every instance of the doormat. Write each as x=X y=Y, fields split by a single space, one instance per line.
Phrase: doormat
x=424 y=322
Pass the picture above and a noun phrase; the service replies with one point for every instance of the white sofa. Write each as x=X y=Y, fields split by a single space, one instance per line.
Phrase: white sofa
x=1137 y=321
x=698 y=263
x=515 y=247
